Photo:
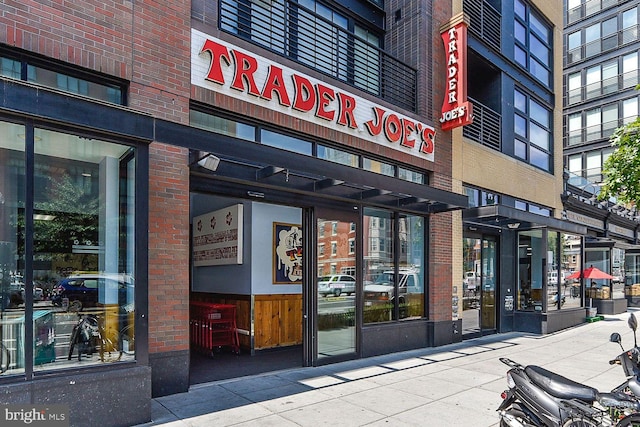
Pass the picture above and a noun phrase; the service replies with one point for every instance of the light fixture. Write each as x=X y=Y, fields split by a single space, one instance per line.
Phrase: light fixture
x=43 y=217
x=208 y=161
x=513 y=225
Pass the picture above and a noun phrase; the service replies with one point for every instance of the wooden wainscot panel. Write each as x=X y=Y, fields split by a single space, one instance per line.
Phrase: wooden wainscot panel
x=278 y=320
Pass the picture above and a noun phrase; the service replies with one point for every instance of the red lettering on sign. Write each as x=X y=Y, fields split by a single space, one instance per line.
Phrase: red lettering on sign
x=375 y=126
x=408 y=127
x=218 y=53
x=325 y=96
x=246 y=66
x=428 y=137
x=347 y=105
x=305 y=96
x=392 y=128
x=275 y=83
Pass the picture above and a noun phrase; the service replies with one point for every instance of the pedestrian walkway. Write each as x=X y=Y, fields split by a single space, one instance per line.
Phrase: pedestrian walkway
x=454 y=385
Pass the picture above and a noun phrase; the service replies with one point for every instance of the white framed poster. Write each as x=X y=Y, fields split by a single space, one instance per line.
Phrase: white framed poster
x=217 y=237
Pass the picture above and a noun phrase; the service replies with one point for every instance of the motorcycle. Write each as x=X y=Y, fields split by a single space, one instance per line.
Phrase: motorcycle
x=539 y=397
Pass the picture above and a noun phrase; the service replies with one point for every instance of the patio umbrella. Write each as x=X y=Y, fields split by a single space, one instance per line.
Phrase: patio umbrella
x=590 y=273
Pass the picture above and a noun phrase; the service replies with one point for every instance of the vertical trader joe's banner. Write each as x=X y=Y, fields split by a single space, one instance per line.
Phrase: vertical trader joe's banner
x=217 y=237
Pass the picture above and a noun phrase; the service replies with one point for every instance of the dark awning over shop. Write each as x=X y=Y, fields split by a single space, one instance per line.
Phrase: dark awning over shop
x=508 y=217
x=261 y=168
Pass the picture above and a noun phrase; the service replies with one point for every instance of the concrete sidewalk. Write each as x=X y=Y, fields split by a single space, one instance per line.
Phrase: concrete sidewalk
x=453 y=385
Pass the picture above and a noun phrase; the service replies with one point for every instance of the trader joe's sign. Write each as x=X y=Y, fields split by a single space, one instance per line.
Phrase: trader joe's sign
x=220 y=66
x=217 y=237
x=456 y=110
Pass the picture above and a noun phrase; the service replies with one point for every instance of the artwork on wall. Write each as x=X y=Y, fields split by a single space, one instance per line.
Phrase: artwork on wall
x=287 y=253
x=217 y=237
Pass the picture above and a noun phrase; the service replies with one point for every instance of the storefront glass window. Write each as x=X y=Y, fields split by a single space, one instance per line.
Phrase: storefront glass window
x=554 y=274
x=83 y=244
x=12 y=196
x=411 y=259
x=571 y=262
x=378 y=265
x=530 y=256
x=599 y=258
x=632 y=269
x=618 y=272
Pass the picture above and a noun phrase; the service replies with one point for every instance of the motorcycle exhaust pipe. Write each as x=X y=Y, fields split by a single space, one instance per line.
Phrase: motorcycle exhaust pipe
x=510 y=420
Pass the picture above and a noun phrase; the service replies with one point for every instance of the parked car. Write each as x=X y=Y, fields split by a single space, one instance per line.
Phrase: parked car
x=14 y=296
x=336 y=284
x=382 y=288
x=85 y=290
x=471 y=280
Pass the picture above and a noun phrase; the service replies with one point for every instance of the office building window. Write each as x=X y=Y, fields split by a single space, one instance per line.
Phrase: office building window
x=533 y=42
x=532 y=128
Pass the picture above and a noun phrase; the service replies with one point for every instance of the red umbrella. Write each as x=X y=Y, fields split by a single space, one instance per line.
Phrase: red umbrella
x=590 y=273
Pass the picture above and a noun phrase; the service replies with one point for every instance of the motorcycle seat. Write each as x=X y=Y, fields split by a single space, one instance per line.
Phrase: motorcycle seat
x=559 y=386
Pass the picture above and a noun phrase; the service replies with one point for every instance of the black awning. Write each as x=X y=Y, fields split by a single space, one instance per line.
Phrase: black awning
x=260 y=166
x=500 y=216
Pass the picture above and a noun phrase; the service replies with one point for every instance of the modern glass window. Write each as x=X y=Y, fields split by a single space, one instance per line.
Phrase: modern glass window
x=221 y=125
x=574 y=44
x=80 y=244
x=337 y=156
x=531 y=253
x=574 y=87
x=478 y=197
x=570 y=262
x=532 y=127
x=630 y=25
x=630 y=70
x=55 y=78
x=629 y=110
x=533 y=42
x=574 y=123
x=248 y=132
x=378 y=167
x=393 y=276
x=378 y=265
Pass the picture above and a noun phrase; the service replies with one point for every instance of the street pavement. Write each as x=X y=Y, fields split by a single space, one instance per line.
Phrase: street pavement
x=453 y=385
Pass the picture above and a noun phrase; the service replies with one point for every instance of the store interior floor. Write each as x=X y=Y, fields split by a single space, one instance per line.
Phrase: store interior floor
x=224 y=364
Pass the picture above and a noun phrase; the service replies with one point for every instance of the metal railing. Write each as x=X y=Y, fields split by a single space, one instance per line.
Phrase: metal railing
x=486 y=126
x=485 y=21
x=603 y=44
x=588 y=8
x=300 y=34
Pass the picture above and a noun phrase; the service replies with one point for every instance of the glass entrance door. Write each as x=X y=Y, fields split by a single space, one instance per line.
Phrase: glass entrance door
x=336 y=284
x=479 y=286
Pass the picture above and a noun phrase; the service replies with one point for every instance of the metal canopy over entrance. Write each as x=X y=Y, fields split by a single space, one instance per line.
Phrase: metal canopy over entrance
x=264 y=168
x=500 y=216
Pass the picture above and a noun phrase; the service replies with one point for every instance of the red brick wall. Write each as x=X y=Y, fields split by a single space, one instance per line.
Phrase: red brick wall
x=147 y=43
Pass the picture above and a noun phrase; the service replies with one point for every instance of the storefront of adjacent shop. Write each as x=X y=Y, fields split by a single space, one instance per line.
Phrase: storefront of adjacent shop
x=517 y=256
x=611 y=245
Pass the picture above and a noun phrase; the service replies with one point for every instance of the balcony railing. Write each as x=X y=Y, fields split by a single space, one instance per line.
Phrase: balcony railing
x=486 y=126
x=607 y=86
x=588 y=8
x=288 y=29
x=604 y=44
x=485 y=21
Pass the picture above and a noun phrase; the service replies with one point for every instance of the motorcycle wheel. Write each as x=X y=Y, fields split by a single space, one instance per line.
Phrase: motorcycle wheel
x=580 y=423
x=521 y=417
x=632 y=420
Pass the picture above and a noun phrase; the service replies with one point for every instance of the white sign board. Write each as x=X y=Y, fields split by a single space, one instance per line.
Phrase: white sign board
x=217 y=237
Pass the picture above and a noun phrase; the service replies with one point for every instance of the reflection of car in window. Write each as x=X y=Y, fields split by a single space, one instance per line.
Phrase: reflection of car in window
x=86 y=290
x=336 y=284
x=382 y=288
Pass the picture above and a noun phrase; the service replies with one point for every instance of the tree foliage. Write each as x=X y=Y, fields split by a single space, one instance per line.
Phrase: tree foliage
x=622 y=168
